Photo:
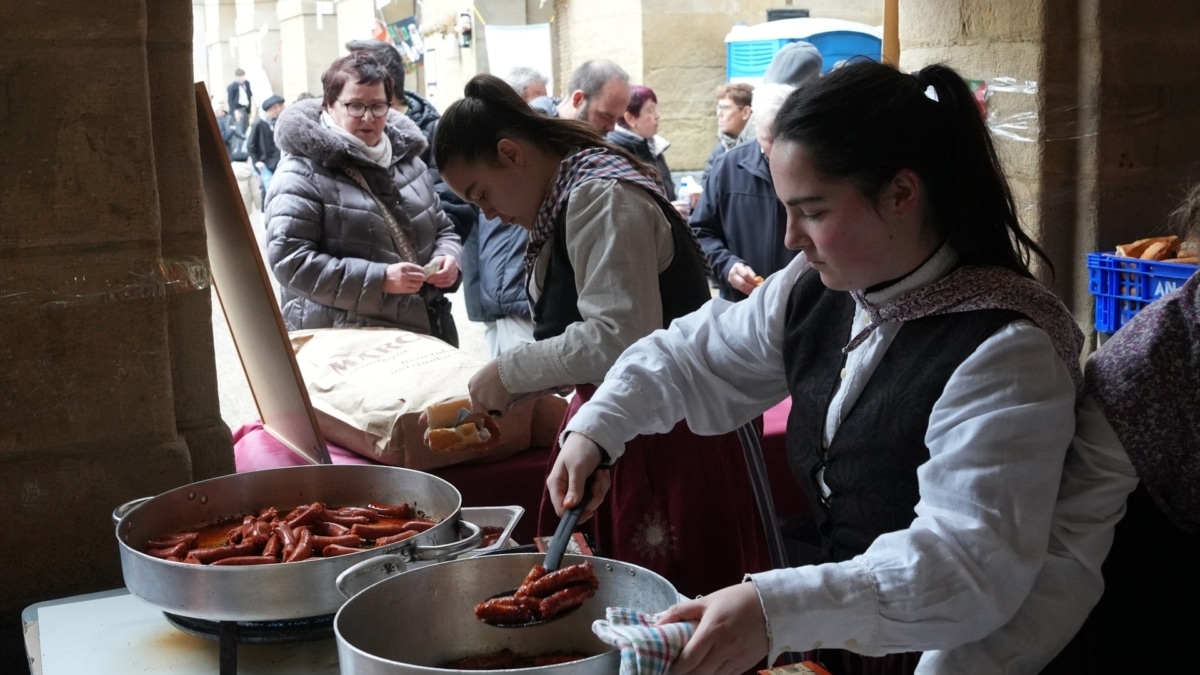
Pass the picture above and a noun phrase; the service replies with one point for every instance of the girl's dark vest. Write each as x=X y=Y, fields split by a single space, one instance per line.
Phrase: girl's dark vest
x=683 y=286
x=871 y=464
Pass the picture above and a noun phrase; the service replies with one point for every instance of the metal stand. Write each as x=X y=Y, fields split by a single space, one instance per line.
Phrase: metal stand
x=228 y=640
x=757 y=467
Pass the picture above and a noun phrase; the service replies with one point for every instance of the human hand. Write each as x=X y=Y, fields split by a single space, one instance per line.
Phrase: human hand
x=487 y=391
x=731 y=636
x=260 y=166
x=447 y=271
x=403 y=277
x=742 y=277
x=578 y=459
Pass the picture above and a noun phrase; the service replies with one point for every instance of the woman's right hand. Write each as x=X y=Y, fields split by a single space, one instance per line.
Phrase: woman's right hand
x=578 y=459
x=403 y=277
x=742 y=278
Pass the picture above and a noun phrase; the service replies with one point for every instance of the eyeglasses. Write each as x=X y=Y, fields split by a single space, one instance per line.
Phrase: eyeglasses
x=356 y=109
x=723 y=108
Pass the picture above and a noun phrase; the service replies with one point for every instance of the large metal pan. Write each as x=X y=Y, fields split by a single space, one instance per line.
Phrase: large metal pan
x=413 y=623
x=282 y=591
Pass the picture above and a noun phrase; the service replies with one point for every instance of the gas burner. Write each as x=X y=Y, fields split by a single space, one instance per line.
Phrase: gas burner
x=257 y=632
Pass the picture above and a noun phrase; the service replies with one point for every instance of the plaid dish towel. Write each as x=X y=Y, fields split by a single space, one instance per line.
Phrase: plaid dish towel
x=646 y=649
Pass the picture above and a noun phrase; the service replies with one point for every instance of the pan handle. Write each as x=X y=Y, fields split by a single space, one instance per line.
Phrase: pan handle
x=356 y=578
x=119 y=512
x=360 y=576
x=467 y=541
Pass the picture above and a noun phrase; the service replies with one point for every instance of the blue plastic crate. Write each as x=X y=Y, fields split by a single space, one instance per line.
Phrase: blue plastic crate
x=1123 y=286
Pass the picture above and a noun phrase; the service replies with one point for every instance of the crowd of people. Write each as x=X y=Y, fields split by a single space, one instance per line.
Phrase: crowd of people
x=981 y=503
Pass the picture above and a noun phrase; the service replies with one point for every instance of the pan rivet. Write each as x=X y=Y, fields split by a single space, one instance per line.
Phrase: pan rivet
x=204 y=499
x=608 y=566
x=633 y=573
x=191 y=495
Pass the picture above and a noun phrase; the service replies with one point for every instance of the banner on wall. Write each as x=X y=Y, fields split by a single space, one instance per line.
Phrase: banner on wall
x=407 y=37
x=511 y=46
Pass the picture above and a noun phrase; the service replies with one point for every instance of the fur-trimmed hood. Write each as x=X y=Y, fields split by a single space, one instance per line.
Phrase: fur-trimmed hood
x=299 y=132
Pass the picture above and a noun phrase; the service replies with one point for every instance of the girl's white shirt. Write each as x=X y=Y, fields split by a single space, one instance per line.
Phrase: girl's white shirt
x=957 y=582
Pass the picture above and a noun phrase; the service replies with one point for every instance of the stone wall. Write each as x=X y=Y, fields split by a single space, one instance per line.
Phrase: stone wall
x=107 y=382
x=1101 y=144
x=677 y=48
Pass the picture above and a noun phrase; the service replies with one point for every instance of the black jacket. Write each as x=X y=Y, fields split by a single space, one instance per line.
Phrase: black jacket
x=262 y=144
x=739 y=218
x=231 y=96
x=235 y=139
x=426 y=117
x=643 y=150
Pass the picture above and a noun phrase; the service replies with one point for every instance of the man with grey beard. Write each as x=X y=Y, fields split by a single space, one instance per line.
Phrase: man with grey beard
x=599 y=94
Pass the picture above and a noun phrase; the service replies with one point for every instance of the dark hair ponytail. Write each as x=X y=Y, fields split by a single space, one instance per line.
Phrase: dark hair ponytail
x=866 y=121
x=490 y=109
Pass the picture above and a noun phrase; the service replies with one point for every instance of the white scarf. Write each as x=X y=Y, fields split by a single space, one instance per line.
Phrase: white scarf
x=380 y=153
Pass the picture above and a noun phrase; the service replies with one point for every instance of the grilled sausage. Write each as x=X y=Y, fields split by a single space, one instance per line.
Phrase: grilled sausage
x=560 y=579
x=245 y=560
x=177 y=551
x=328 y=528
x=565 y=599
x=388 y=541
x=351 y=540
x=303 y=549
x=377 y=530
x=507 y=610
x=536 y=573
x=337 y=549
x=172 y=539
x=402 y=510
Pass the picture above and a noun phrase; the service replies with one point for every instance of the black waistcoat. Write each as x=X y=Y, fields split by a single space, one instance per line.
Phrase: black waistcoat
x=683 y=286
x=871 y=465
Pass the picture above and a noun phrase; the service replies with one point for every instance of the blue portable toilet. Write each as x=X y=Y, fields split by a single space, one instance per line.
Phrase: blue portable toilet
x=749 y=49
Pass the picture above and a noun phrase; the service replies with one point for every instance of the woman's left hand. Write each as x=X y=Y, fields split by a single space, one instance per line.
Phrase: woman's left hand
x=447 y=273
x=731 y=637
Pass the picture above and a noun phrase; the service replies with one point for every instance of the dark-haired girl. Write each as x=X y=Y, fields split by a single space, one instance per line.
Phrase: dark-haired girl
x=933 y=386
x=609 y=261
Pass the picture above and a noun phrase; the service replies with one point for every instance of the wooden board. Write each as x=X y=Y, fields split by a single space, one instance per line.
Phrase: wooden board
x=244 y=289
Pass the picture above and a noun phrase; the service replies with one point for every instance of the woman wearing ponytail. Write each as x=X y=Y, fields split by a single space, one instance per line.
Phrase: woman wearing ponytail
x=609 y=261
x=933 y=382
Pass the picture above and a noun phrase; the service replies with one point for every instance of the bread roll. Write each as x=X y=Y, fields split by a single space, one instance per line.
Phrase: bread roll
x=478 y=431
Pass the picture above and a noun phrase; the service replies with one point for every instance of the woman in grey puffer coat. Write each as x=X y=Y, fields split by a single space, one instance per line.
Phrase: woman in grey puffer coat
x=335 y=255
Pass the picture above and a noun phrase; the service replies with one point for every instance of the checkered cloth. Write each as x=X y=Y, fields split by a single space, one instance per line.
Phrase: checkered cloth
x=646 y=649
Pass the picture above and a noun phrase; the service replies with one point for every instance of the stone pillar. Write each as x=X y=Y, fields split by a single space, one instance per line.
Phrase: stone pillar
x=1108 y=106
x=107 y=383
x=223 y=59
x=256 y=31
x=199 y=43
x=356 y=21
x=309 y=41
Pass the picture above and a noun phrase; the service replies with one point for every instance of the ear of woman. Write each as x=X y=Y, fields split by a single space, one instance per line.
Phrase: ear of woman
x=509 y=152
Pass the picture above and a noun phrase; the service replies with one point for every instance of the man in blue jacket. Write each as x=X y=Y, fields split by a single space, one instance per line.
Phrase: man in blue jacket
x=739 y=221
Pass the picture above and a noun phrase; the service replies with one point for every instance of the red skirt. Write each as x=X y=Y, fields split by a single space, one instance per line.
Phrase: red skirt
x=680 y=504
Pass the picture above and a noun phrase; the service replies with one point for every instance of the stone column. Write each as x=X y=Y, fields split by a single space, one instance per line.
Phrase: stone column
x=199 y=46
x=308 y=39
x=1108 y=106
x=256 y=30
x=223 y=59
x=356 y=21
x=107 y=385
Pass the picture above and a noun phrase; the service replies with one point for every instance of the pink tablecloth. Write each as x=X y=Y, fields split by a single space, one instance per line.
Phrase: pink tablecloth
x=518 y=479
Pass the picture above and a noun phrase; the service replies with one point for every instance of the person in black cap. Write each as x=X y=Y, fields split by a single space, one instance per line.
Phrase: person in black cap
x=261 y=144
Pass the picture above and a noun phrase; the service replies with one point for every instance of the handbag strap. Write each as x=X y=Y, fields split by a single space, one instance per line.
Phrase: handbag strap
x=403 y=244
